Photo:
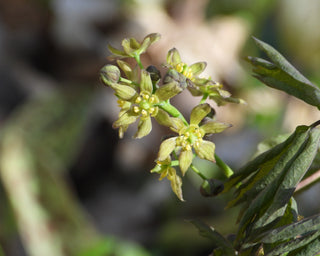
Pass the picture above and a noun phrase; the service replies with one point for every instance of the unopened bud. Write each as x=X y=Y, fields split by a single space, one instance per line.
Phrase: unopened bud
x=174 y=76
x=211 y=187
x=110 y=74
x=154 y=73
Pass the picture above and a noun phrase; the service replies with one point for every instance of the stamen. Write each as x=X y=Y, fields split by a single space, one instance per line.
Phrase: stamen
x=144 y=113
x=136 y=109
x=188 y=147
x=146 y=96
x=199 y=135
x=179 y=67
x=138 y=100
x=151 y=110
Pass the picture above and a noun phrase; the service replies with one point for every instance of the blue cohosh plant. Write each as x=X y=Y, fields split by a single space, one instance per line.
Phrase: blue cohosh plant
x=269 y=223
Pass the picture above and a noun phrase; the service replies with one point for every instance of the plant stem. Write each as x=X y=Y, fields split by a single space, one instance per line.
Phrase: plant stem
x=174 y=163
x=166 y=106
x=308 y=181
x=138 y=60
x=195 y=169
x=225 y=168
x=124 y=80
x=204 y=98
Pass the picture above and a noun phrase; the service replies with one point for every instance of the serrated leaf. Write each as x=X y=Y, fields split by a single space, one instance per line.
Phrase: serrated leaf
x=217 y=239
x=281 y=75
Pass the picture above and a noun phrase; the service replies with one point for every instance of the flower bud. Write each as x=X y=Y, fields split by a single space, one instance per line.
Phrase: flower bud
x=211 y=187
x=174 y=76
x=154 y=73
x=110 y=74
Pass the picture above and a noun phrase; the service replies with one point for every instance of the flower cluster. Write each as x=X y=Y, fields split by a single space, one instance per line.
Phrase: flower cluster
x=143 y=95
x=199 y=86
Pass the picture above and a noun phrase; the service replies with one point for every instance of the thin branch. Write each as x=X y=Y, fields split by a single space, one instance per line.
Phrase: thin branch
x=308 y=181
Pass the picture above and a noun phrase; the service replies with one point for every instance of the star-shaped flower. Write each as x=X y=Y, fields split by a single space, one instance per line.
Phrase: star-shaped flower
x=191 y=138
x=165 y=169
x=197 y=85
x=214 y=91
x=139 y=102
x=191 y=72
x=132 y=48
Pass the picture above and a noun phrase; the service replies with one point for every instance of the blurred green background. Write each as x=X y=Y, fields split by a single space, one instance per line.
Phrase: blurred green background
x=68 y=185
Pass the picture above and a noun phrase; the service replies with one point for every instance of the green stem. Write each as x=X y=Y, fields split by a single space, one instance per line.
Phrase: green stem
x=174 y=163
x=166 y=106
x=225 y=168
x=204 y=98
x=138 y=60
x=195 y=169
x=124 y=80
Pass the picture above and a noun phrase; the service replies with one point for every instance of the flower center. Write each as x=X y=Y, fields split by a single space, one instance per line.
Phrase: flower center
x=190 y=137
x=145 y=104
x=184 y=70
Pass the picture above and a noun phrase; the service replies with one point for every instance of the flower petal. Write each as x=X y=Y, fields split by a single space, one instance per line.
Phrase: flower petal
x=178 y=124
x=124 y=120
x=116 y=52
x=206 y=150
x=166 y=148
x=185 y=160
x=198 y=68
x=125 y=67
x=122 y=130
x=163 y=118
x=144 y=128
x=157 y=169
x=148 y=40
x=173 y=57
x=199 y=112
x=176 y=183
x=146 y=83
x=130 y=45
x=124 y=92
x=168 y=91
x=214 y=127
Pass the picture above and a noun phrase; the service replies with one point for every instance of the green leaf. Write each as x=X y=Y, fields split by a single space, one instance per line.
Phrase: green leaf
x=273 y=177
x=296 y=229
x=218 y=241
x=294 y=244
x=313 y=248
x=281 y=75
x=256 y=174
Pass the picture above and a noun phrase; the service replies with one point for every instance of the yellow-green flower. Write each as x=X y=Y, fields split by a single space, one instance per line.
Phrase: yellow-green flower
x=139 y=102
x=213 y=90
x=165 y=169
x=191 y=138
x=191 y=72
x=132 y=48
